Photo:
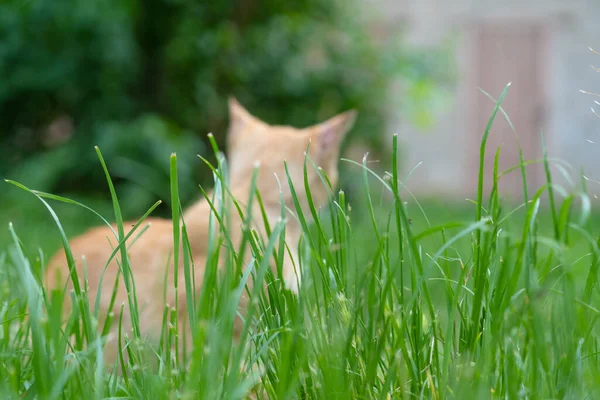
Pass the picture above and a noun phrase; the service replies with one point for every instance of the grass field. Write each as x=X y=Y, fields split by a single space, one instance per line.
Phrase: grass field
x=399 y=300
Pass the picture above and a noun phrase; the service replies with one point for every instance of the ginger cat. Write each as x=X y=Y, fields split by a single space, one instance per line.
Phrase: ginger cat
x=250 y=142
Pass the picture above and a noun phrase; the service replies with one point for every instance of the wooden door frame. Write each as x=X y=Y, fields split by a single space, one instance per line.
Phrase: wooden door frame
x=469 y=93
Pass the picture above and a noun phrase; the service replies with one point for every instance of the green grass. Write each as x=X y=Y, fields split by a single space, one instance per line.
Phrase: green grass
x=400 y=299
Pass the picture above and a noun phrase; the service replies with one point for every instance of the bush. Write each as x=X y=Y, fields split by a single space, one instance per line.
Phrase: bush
x=145 y=78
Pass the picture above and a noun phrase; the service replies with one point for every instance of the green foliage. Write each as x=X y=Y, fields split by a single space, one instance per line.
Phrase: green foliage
x=393 y=304
x=120 y=72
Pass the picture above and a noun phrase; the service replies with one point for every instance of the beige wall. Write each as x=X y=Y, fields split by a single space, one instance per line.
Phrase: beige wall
x=446 y=149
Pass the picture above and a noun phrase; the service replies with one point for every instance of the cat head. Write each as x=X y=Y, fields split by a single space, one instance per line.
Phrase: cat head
x=254 y=142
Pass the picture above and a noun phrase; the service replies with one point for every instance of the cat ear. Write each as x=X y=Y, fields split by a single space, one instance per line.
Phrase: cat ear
x=238 y=114
x=330 y=133
x=241 y=122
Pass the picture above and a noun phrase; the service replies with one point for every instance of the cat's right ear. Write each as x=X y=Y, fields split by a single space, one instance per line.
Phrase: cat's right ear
x=331 y=132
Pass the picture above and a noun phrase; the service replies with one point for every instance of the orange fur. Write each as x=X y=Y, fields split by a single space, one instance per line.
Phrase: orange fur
x=250 y=142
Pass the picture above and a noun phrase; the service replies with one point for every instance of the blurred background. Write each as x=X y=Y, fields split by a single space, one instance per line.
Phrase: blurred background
x=143 y=79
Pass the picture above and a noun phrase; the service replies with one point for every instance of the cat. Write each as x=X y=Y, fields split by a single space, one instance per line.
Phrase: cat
x=250 y=142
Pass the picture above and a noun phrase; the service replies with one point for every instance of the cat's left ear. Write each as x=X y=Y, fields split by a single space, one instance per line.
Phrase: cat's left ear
x=242 y=124
x=330 y=133
x=237 y=112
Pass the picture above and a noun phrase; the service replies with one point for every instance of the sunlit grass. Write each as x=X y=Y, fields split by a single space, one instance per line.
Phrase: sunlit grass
x=398 y=300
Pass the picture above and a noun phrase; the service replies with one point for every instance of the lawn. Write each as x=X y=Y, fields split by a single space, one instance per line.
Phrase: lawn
x=400 y=299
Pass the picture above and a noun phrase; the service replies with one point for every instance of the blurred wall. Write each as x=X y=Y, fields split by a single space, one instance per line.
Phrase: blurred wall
x=541 y=46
